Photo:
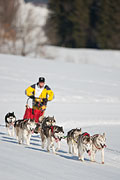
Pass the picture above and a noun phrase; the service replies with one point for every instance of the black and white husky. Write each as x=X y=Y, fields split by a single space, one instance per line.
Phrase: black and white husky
x=24 y=130
x=10 y=119
x=84 y=145
x=52 y=134
x=46 y=121
x=98 y=144
x=72 y=137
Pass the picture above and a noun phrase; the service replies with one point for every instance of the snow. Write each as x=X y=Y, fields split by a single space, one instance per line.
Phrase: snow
x=86 y=96
x=107 y=58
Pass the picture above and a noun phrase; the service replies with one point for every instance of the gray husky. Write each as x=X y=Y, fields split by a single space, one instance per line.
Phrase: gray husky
x=72 y=137
x=98 y=144
x=51 y=133
x=84 y=145
x=24 y=130
x=46 y=121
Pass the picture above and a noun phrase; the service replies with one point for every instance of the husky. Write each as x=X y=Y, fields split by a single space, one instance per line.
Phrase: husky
x=51 y=134
x=72 y=137
x=10 y=119
x=46 y=121
x=98 y=144
x=84 y=145
x=24 y=130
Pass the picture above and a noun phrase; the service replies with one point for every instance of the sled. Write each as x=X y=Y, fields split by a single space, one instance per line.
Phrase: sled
x=33 y=114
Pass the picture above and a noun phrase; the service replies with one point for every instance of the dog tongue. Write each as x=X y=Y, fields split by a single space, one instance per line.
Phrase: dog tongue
x=56 y=140
x=89 y=153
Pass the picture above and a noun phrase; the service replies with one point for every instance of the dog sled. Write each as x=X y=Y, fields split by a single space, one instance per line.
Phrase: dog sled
x=33 y=114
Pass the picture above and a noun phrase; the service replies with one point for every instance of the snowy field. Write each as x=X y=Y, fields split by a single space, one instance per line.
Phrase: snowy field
x=86 y=96
x=106 y=58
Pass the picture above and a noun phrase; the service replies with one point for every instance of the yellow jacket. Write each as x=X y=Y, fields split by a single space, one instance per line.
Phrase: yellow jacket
x=46 y=92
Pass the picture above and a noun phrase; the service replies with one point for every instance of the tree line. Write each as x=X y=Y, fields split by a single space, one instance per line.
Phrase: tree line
x=84 y=23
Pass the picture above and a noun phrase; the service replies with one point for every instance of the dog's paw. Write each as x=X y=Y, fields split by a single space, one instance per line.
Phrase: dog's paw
x=55 y=152
x=80 y=159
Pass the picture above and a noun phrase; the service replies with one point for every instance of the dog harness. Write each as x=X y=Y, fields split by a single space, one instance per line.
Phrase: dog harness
x=52 y=128
x=56 y=139
x=86 y=134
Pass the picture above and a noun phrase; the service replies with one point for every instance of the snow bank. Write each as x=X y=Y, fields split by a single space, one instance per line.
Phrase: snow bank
x=108 y=58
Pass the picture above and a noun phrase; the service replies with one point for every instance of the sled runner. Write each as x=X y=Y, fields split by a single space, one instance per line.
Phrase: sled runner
x=33 y=114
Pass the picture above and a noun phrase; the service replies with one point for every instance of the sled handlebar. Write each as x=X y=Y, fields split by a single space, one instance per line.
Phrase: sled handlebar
x=31 y=98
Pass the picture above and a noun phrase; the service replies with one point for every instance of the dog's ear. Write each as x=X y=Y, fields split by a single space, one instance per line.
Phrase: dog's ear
x=47 y=117
x=103 y=134
x=9 y=114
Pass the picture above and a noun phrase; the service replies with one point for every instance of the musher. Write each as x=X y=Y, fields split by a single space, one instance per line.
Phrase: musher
x=40 y=93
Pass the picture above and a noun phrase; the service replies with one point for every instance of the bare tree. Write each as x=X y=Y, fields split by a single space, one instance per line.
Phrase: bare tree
x=8 y=11
x=21 y=28
x=29 y=32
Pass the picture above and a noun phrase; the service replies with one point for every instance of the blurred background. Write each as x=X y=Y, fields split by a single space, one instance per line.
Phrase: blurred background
x=28 y=26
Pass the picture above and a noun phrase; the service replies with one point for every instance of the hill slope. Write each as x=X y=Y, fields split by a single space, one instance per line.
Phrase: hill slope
x=86 y=96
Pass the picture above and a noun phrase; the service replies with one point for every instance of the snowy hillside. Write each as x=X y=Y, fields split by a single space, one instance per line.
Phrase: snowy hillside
x=86 y=96
x=107 y=58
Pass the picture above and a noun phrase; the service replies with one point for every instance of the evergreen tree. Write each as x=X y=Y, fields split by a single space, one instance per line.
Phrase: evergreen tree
x=108 y=26
x=84 y=23
x=80 y=20
x=94 y=11
x=71 y=21
x=59 y=20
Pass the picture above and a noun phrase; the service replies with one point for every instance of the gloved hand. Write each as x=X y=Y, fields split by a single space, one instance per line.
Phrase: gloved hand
x=45 y=100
